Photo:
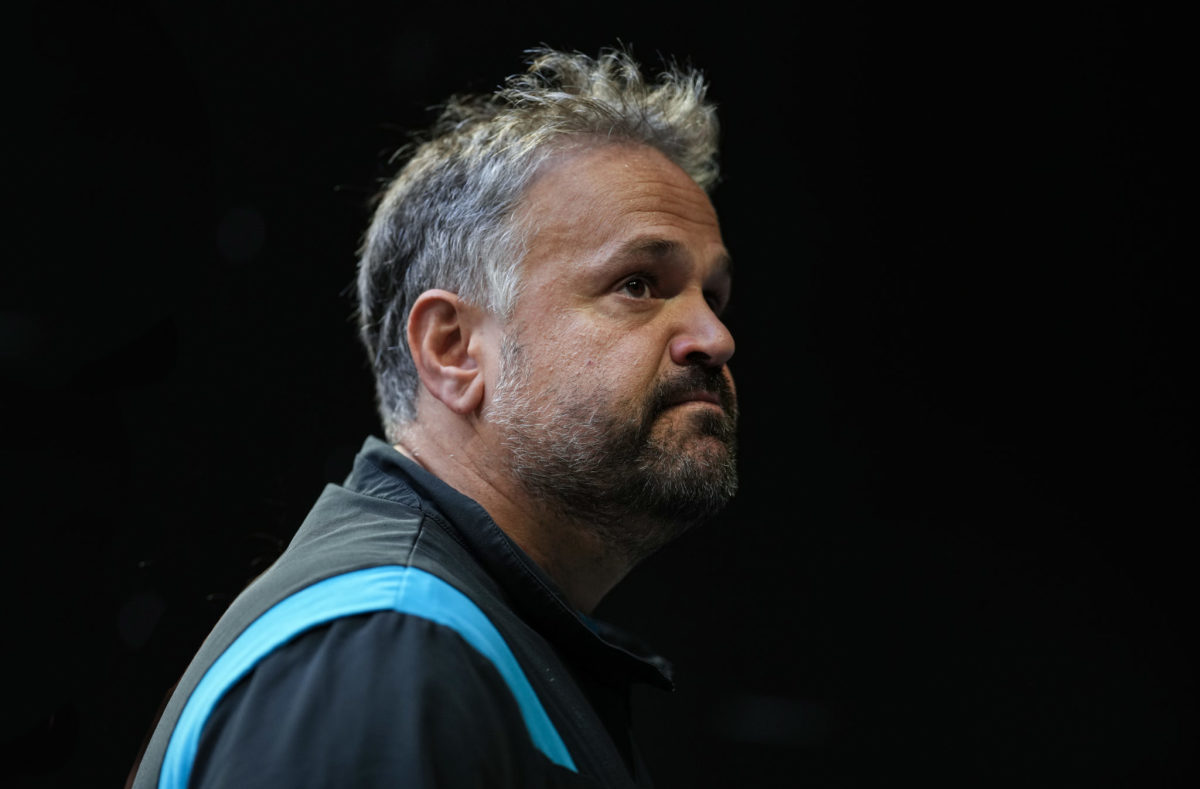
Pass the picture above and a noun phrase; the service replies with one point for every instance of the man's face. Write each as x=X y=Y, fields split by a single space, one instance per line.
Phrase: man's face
x=613 y=398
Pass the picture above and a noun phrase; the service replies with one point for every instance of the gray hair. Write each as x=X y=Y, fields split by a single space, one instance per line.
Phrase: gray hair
x=447 y=220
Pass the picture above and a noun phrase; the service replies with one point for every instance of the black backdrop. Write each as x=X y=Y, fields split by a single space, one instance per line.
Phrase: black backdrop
x=959 y=557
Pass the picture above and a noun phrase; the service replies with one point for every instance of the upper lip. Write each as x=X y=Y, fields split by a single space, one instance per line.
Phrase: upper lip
x=701 y=395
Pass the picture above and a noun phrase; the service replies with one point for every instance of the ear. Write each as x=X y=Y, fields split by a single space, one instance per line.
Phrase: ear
x=445 y=337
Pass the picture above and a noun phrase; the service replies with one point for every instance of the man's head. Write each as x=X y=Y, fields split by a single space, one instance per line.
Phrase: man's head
x=550 y=272
x=448 y=218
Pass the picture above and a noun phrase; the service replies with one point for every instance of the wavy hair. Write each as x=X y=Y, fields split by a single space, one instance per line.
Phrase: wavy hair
x=447 y=219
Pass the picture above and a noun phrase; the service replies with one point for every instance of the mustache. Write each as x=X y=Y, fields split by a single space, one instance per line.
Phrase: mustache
x=690 y=380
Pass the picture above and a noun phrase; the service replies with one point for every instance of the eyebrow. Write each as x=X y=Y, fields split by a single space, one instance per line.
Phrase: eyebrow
x=664 y=248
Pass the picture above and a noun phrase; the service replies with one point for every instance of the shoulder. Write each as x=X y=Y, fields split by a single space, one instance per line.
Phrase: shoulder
x=382 y=697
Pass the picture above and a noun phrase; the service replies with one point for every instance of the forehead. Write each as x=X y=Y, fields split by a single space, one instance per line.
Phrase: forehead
x=587 y=205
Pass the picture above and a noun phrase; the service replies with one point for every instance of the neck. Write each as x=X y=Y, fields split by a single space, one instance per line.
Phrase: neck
x=573 y=555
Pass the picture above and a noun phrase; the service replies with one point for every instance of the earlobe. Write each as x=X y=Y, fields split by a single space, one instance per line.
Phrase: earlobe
x=440 y=333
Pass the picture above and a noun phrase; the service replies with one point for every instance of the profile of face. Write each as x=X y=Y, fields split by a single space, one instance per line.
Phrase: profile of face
x=613 y=399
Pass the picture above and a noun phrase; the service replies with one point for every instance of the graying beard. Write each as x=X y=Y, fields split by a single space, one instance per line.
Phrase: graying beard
x=605 y=474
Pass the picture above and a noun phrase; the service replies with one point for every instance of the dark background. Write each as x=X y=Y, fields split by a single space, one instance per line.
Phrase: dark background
x=963 y=309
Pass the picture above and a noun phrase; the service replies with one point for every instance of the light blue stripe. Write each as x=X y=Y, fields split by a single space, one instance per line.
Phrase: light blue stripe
x=403 y=589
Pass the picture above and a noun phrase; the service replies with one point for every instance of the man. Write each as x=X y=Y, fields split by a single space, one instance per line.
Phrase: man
x=541 y=290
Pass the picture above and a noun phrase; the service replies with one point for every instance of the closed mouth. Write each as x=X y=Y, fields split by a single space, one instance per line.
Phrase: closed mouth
x=698 y=396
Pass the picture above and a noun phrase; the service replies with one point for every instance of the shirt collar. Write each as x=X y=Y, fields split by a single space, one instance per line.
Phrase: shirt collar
x=381 y=471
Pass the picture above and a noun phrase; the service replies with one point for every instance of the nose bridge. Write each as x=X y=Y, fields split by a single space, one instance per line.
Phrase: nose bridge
x=701 y=335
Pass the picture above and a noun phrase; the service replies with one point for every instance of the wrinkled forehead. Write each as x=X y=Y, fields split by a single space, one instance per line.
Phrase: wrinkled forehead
x=596 y=192
x=564 y=150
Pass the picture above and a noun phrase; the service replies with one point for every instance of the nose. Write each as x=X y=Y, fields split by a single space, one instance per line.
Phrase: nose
x=702 y=337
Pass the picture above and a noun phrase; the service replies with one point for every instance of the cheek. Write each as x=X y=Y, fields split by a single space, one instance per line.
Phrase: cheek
x=627 y=364
x=578 y=355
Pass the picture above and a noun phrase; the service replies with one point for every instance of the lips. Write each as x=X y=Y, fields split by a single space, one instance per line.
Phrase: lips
x=700 y=396
x=695 y=384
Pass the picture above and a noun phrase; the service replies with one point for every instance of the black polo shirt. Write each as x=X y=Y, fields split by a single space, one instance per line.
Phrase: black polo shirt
x=403 y=640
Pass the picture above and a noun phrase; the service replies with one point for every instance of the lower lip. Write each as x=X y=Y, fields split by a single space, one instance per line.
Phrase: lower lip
x=708 y=403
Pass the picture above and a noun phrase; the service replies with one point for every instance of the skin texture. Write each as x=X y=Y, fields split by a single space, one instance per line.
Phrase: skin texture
x=610 y=378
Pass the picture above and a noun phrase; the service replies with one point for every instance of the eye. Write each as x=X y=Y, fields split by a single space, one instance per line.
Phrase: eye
x=718 y=300
x=637 y=287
